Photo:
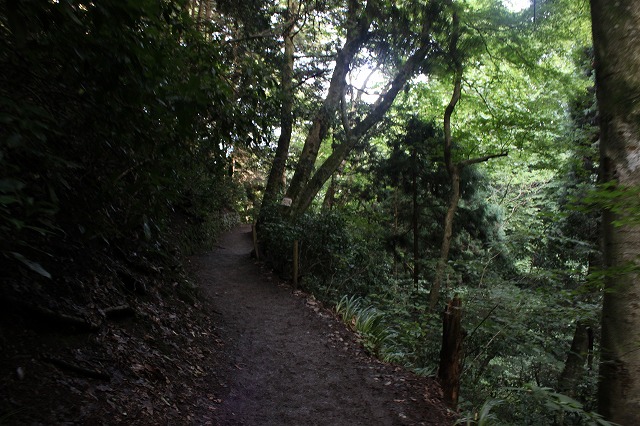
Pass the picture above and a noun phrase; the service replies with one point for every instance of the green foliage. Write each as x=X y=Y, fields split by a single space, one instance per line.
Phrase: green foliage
x=347 y=308
x=410 y=186
x=541 y=405
x=546 y=406
x=335 y=251
x=619 y=199
x=521 y=252
x=484 y=417
x=414 y=337
x=116 y=119
x=368 y=322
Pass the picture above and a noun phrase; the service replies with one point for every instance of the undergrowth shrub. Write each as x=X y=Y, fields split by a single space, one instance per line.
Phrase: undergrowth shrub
x=515 y=334
x=532 y=405
x=368 y=322
x=204 y=213
x=338 y=255
x=113 y=117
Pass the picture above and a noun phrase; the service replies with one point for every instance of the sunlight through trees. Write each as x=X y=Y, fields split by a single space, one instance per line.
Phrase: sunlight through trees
x=419 y=152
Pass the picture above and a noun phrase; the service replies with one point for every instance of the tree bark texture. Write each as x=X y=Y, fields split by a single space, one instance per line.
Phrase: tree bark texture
x=275 y=182
x=616 y=36
x=450 y=369
x=574 y=367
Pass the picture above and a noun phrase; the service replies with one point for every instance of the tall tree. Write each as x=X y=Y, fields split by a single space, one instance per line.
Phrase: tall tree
x=275 y=182
x=453 y=168
x=616 y=37
x=360 y=29
x=358 y=21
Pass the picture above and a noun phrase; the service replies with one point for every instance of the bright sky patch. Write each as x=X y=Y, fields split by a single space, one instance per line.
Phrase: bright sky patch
x=516 y=5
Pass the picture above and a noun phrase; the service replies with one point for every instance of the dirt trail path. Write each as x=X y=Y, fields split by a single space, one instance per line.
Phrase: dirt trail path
x=290 y=362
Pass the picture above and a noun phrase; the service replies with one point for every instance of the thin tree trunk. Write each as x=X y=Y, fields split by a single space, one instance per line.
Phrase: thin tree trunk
x=395 y=231
x=574 y=367
x=207 y=17
x=450 y=369
x=453 y=169
x=415 y=220
x=201 y=6
x=330 y=196
x=434 y=293
x=616 y=36
x=580 y=355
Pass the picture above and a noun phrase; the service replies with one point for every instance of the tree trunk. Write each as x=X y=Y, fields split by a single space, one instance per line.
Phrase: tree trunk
x=453 y=169
x=207 y=17
x=275 y=182
x=395 y=232
x=580 y=356
x=329 y=197
x=434 y=293
x=574 y=367
x=616 y=36
x=357 y=35
x=201 y=7
x=450 y=369
x=340 y=152
x=415 y=219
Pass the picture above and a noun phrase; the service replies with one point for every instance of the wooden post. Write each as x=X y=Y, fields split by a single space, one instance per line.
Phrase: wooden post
x=255 y=241
x=295 y=264
x=451 y=352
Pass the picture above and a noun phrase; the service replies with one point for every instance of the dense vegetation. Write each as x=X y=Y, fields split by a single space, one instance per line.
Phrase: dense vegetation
x=115 y=118
x=522 y=244
x=428 y=149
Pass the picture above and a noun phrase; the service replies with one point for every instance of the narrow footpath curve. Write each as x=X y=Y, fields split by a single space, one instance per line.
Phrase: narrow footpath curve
x=291 y=362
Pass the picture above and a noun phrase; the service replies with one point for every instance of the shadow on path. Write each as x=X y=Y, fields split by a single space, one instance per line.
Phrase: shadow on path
x=290 y=362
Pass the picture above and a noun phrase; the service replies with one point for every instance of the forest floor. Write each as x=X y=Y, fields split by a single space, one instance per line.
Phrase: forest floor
x=248 y=351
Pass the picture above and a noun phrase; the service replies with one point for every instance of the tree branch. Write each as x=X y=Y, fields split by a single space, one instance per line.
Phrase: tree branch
x=455 y=96
x=482 y=159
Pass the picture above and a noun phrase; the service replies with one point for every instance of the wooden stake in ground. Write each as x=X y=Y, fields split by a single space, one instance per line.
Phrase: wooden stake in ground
x=450 y=368
x=295 y=264
x=254 y=233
